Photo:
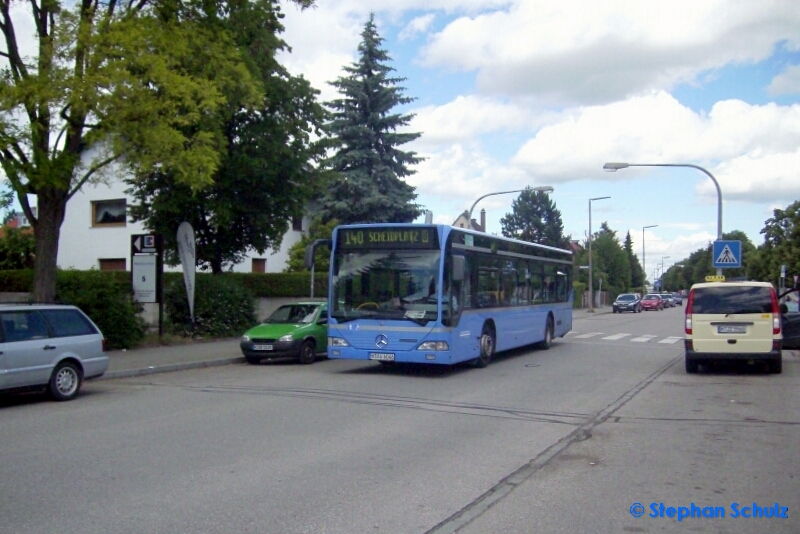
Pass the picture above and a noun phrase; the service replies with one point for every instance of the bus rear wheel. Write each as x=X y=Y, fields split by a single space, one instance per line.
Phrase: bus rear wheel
x=487 y=347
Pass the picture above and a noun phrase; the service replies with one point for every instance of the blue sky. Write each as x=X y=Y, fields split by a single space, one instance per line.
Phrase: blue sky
x=511 y=93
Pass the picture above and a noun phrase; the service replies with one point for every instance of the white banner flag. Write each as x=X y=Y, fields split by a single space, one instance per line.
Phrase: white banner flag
x=186 y=251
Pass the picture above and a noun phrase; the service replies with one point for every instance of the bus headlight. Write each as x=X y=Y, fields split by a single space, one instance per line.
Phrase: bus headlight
x=434 y=345
x=337 y=342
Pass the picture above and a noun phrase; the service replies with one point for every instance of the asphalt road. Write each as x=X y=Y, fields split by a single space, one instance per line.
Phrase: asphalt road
x=564 y=440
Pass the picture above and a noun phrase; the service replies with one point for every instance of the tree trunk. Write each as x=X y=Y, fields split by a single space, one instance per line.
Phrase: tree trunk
x=51 y=204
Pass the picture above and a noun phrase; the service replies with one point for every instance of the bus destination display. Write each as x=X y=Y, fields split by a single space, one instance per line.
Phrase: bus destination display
x=383 y=238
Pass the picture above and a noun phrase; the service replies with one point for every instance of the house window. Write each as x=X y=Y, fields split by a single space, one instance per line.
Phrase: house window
x=259 y=265
x=109 y=212
x=297 y=224
x=112 y=264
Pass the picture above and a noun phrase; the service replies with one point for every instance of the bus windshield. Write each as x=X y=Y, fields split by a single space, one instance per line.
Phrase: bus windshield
x=386 y=284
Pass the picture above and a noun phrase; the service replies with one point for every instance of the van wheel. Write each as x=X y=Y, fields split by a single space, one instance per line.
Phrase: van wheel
x=548 y=335
x=487 y=347
x=65 y=382
x=307 y=353
x=692 y=366
x=776 y=366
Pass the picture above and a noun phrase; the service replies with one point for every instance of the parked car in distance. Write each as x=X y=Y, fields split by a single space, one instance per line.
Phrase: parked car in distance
x=790 y=319
x=626 y=302
x=298 y=330
x=652 y=301
x=669 y=300
x=677 y=298
x=733 y=321
x=49 y=347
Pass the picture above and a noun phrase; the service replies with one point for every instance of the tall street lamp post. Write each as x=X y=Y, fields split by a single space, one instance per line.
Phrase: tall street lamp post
x=591 y=285
x=612 y=167
x=539 y=189
x=644 y=262
x=662 y=271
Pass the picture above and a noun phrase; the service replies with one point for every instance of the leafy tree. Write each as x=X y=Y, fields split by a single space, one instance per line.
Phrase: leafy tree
x=609 y=261
x=108 y=84
x=534 y=218
x=371 y=169
x=781 y=246
x=322 y=257
x=265 y=178
x=17 y=249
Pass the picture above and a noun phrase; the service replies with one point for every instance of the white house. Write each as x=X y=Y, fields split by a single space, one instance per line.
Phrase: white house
x=96 y=233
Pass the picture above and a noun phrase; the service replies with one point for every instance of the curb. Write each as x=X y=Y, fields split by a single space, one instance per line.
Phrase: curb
x=127 y=373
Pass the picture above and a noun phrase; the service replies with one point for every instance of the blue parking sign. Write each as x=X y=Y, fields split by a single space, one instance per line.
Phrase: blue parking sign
x=727 y=254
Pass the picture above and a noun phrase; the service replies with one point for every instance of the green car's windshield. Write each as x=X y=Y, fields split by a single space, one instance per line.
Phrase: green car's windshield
x=386 y=284
x=293 y=314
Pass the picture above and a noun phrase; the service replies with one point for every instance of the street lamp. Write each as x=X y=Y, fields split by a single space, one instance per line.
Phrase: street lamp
x=662 y=270
x=591 y=285
x=612 y=167
x=644 y=263
x=539 y=189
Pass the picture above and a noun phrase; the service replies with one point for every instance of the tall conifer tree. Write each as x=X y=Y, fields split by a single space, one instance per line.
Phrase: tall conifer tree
x=534 y=218
x=371 y=169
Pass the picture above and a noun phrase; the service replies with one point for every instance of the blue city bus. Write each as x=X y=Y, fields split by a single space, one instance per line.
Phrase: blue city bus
x=425 y=293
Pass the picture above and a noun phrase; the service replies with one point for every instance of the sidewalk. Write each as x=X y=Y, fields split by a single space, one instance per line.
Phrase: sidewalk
x=150 y=360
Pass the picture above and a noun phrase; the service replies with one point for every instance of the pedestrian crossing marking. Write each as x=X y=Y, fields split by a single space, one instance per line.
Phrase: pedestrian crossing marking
x=726 y=256
x=644 y=338
x=616 y=337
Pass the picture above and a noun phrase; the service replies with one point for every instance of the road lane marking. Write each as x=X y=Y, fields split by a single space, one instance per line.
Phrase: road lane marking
x=643 y=339
x=671 y=339
x=590 y=334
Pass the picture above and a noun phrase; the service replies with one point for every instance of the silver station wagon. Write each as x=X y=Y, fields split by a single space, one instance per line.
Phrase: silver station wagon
x=50 y=347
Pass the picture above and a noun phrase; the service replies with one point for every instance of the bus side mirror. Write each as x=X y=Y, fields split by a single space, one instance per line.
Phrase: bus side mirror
x=311 y=249
x=459 y=266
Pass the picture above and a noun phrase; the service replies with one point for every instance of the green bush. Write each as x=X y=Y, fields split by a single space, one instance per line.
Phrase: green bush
x=223 y=307
x=17 y=281
x=100 y=295
x=578 y=289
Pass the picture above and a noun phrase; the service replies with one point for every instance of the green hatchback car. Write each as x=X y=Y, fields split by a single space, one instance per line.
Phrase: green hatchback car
x=298 y=330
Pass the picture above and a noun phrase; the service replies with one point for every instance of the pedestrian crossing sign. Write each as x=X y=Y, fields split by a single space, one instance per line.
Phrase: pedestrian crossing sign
x=727 y=254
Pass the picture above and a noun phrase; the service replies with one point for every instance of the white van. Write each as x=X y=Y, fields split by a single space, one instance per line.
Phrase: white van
x=729 y=321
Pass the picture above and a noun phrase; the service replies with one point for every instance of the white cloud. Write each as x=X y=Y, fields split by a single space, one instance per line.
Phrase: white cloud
x=751 y=150
x=592 y=52
x=418 y=25
x=786 y=83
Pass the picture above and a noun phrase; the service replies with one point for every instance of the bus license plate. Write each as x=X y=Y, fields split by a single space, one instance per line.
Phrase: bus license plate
x=262 y=347
x=381 y=356
x=732 y=329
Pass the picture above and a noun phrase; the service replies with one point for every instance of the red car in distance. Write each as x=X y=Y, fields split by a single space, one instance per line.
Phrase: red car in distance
x=652 y=302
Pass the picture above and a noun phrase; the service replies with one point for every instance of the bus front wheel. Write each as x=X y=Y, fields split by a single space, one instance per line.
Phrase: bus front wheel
x=547 y=342
x=487 y=347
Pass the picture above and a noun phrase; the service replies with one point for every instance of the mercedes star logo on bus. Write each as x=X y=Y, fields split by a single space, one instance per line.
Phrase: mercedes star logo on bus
x=381 y=341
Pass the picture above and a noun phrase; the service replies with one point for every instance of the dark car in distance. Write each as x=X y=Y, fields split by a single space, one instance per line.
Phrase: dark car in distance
x=652 y=301
x=627 y=302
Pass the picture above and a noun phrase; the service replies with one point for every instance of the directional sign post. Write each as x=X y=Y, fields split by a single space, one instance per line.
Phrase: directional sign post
x=147 y=268
x=727 y=254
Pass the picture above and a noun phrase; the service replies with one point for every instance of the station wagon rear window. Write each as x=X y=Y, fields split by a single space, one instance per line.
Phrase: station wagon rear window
x=732 y=300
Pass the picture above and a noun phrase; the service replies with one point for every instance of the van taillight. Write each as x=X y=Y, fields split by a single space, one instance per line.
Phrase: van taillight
x=689 y=303
x=776 y=314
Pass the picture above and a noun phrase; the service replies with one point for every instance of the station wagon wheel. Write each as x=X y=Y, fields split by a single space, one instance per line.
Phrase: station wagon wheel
x=308 y=353
x=65 y=382
x=487 y=347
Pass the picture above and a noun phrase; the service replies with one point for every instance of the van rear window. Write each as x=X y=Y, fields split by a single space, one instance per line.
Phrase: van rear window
x=732 y=300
